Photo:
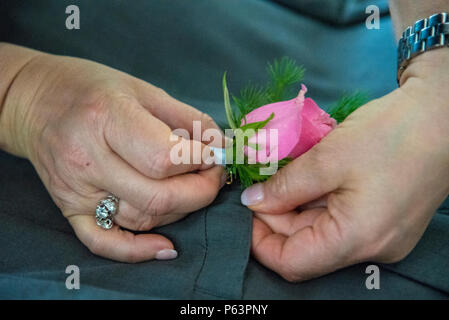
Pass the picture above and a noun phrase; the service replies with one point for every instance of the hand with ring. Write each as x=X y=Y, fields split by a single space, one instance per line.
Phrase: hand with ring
x=100 y=141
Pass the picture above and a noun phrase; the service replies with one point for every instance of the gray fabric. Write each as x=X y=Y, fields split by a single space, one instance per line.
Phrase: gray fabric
x=37 y=244
x=184 y=47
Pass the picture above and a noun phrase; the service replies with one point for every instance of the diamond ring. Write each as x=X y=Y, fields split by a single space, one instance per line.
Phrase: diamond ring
x=106 y=209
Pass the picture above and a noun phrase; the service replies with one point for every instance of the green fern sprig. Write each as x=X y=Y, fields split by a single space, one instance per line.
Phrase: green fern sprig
x=283 y=74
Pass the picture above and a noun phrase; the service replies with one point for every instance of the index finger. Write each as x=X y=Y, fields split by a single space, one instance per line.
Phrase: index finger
x=149 y=145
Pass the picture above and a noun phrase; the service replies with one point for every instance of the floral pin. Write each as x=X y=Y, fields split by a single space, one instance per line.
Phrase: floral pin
x=299 y=123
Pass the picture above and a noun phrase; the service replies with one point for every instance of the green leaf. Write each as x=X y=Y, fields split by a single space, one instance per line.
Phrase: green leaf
x=347 y=104
x=229 y=113
x=255 y=126
x=258 y=124
x=283 y=75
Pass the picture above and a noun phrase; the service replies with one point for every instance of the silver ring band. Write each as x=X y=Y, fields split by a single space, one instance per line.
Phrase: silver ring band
x=106 y=209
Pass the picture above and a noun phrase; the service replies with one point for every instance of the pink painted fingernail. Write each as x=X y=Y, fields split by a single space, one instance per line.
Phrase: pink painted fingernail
x=252 y=195
x=166 y=254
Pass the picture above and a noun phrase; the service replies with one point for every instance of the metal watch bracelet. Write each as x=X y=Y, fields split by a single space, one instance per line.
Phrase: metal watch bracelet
x=425 y=34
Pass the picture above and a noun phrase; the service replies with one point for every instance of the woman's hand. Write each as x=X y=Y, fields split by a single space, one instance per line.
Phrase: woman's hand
x=90 y=130
x=367 y=191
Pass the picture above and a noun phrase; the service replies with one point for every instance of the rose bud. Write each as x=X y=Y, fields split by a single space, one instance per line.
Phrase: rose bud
x=300 y=123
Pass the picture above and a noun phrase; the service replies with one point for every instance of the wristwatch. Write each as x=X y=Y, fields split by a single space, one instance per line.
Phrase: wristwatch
x=425 y=34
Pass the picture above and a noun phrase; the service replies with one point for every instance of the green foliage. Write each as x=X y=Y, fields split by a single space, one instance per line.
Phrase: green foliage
x=283 y=74
x=257 y=125
x=251 y=97
x=250 y=173
x=347 y=104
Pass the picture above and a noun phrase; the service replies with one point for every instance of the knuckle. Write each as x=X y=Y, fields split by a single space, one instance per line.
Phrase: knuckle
x=158 y=95
x=95 y=106
x=161 y=92
x=101 y=106
x=279 y=184
x=122 y=100
x=94 y=113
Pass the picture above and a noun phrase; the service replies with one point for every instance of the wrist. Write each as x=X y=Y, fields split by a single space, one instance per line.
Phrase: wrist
x=16 y=92
x=429 y=71
x=425 y=97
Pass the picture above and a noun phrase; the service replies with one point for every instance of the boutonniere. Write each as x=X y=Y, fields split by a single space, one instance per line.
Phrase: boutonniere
x=271 y=125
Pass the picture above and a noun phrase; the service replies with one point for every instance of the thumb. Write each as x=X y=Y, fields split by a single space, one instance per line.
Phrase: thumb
x=304 y=179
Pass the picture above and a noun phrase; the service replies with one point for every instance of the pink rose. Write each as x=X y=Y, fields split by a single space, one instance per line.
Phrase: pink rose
x=300 y=123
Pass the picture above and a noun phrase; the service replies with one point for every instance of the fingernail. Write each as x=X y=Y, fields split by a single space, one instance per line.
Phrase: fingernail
x=166 y=254
x=252 y=195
